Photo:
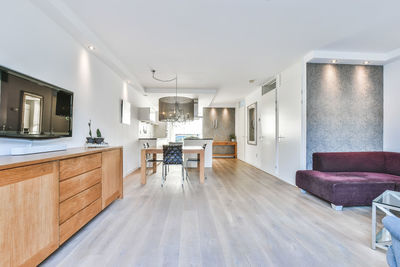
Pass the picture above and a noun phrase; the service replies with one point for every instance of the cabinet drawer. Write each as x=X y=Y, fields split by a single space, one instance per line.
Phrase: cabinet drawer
x=76 y=203
x=75 y=166
x=76 y=222
x=77 y=184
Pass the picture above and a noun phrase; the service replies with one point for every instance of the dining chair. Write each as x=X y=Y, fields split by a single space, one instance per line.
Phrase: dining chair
x=194 y=160
x=149 y=157
x=172 y=155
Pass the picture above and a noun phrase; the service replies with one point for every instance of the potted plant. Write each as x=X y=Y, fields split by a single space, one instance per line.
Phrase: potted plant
x=90 y=139
x=98 y=139
x=232 y=137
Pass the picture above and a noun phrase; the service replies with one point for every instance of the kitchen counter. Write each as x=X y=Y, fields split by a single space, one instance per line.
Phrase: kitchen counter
x=9 y=161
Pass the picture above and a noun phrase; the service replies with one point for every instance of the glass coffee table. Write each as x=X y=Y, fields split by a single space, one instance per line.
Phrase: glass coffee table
x=386 y=202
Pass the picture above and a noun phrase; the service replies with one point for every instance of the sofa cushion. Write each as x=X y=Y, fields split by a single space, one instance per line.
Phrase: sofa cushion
x=392 y=163
x=346 y=188
x=349 y=162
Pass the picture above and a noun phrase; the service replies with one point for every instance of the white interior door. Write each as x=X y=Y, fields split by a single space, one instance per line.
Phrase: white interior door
x=267 y=132
x=289 y=123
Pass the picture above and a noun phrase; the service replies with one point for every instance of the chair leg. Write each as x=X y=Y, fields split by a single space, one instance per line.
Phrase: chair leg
x=164 y=175
x=183 y=174
x=187 y=173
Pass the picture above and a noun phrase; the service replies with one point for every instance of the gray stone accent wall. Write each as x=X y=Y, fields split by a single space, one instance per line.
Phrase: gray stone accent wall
x=344 y=108
x=225 y=126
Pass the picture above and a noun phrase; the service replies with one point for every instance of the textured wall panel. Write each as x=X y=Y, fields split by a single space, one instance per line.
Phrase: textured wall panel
x=344 y=108
x=225 y=126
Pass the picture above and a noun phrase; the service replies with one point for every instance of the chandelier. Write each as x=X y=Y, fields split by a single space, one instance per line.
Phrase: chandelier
x=174 y=108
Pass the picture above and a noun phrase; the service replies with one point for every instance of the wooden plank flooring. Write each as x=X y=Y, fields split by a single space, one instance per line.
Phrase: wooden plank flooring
x=241 y=216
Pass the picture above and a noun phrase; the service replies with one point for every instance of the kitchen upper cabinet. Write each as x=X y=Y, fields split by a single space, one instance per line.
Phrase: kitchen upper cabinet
x=111 y=176
x=148 y=115
x=29 y=214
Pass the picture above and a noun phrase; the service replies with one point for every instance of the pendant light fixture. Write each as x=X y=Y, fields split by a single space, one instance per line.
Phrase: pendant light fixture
x=174 y=108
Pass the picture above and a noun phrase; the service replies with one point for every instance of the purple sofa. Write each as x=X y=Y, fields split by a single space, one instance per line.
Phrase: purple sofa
x=351 y=178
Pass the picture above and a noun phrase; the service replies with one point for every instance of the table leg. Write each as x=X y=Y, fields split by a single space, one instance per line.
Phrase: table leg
x=143 y=167
x=154 y=163
x=235 y=145
x=201 y=163
x=373 y=226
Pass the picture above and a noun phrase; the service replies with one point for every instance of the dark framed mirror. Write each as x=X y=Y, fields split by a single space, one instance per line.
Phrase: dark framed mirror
x=252 y=124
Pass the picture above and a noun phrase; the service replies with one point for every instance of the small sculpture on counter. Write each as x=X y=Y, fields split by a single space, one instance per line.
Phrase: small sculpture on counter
x=90 y=139
x=98 y=139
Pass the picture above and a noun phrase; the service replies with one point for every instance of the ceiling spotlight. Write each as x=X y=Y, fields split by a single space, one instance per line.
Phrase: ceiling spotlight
x=334 y=61
x=366 y=62
x=91 y=47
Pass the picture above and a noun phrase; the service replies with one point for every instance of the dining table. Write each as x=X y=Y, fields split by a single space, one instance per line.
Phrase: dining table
x=199 y=150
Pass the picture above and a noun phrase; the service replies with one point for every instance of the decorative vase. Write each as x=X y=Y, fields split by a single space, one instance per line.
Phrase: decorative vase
x=98 y=140
x=89 y=140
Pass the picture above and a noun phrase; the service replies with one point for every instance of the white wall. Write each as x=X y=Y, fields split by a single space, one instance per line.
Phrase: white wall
x=290 y=115
x=391 y=107
x=33 y=44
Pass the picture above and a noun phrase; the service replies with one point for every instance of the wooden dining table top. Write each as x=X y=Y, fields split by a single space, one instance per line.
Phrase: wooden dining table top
x=185 y=149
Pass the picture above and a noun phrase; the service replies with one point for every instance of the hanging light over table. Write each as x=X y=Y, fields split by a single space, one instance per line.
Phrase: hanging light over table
x=174 y=108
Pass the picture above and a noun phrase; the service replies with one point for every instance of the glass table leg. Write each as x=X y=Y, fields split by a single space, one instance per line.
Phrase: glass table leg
x=373 y=226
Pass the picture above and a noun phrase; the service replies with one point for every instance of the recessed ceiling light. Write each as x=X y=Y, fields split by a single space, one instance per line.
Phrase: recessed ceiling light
x=91 y=47
x=366 y=62
x=334 y=61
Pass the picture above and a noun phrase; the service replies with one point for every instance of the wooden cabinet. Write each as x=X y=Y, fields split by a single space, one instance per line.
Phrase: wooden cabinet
x=78 y=165
x=73 y=205
x=111 y=176
x=28 y=214
x=77 y=221
x=46 y=198
x=77 y=184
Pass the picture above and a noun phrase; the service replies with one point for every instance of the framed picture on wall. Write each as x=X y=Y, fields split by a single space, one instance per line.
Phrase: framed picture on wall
x=252 y=124
x=125 y=112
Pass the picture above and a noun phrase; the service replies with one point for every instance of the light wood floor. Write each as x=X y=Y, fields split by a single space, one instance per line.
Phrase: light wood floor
x=241 y=216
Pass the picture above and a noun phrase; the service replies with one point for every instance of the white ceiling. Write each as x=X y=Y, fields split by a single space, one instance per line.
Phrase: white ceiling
x=220 y=44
